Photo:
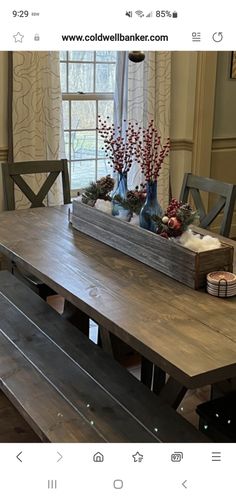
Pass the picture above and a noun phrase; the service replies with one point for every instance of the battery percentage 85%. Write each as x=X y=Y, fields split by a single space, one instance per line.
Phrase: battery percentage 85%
x=164 y=13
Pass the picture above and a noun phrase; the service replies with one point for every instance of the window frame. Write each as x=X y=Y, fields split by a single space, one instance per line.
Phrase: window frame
x=84 y=96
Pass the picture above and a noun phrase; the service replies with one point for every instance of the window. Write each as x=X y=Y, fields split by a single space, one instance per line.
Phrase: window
x=88 y=82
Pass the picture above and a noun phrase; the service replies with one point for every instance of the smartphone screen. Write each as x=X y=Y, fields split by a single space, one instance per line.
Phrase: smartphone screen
x=117 y=249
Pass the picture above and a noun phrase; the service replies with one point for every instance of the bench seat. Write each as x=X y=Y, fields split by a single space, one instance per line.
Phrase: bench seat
x=66 y=387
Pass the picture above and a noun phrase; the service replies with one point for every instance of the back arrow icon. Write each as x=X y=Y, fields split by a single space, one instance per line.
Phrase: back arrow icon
x=184 y=484
x=17 y=456
x=60 y=456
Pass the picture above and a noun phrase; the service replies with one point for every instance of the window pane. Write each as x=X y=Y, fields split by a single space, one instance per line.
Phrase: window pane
x=66 y=121
x=81 y=56
x=105 y=78
x=63 y=55
x=105 y=109
x=108 y=55
x=103 y=169
x=83 y=114
x=63 y=67
x=67 y=144
x=80 y=78
x=100 y=152
x=82 y=173
x=83 y=144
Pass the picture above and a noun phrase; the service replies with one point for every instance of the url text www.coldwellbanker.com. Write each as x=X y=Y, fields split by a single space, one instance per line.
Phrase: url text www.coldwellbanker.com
x=116 y=37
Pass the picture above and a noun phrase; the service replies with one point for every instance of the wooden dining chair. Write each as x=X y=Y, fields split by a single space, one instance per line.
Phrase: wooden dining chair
x=16 y=174
x=226 y=196
x=13 y=174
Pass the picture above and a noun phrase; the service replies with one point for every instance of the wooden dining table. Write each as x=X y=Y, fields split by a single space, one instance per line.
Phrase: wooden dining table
x=186 y=333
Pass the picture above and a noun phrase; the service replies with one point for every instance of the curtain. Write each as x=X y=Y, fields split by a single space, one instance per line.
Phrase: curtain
x=121 y=90
x=35 y=107
x=146 y=87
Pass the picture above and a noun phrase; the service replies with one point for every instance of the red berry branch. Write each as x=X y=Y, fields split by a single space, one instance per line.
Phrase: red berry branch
x=151 y=153
x=119 y=150
x=141 y=145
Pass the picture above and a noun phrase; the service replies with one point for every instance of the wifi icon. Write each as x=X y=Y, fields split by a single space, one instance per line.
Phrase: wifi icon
x=139 y=13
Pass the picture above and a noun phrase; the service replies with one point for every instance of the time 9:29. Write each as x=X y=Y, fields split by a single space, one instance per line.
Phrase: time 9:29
x=20 y=13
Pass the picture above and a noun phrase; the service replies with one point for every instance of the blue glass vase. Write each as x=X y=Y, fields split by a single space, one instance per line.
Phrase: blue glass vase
x=151 y=207
x=121 y=191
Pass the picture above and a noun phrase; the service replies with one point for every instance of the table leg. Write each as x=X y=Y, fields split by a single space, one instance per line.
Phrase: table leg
x=105 y=340
x=77 y=317
x=146 y=372
x=173 y=392
x=159 y=380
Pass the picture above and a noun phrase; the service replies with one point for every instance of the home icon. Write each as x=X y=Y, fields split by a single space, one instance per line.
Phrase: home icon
x=98 y=457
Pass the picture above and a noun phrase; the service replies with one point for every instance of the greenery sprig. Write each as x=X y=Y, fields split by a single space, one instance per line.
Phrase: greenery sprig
x=134 y=200
x=98 y=190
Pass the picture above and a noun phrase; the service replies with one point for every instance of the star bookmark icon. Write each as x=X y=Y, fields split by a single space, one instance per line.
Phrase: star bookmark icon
x=18 y=37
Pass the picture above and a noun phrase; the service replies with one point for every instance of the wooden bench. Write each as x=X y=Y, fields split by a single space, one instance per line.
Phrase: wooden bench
x=217 y=418
x=66 y=387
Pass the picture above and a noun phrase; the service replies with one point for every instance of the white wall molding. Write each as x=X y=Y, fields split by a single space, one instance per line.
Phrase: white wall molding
x=181 y=144
x=224 y=143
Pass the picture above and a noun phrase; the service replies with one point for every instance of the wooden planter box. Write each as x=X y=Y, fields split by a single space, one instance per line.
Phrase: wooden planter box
x=163 y=255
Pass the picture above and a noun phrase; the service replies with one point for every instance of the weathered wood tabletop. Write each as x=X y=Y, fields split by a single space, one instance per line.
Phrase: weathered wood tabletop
x=187 y=333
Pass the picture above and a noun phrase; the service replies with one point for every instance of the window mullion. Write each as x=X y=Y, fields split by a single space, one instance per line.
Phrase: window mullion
x=87 y=96
x=94 y=72
x=67 y=72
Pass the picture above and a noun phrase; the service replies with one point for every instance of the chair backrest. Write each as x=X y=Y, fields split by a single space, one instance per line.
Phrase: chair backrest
x=12 y=174
x=225 y=202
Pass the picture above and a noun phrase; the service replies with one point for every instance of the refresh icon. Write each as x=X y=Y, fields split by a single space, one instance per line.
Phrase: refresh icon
x=217 y=36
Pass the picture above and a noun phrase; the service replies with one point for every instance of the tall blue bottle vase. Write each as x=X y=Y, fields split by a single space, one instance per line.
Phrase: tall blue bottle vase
x=121 y=190
x=151 y=207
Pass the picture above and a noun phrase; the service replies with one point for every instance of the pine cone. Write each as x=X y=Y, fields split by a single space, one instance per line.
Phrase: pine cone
x=106 y=183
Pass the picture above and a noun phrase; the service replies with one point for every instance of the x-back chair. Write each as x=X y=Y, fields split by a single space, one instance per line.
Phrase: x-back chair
x=226 y=196
x=14 y=174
